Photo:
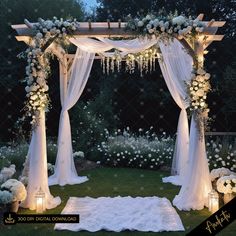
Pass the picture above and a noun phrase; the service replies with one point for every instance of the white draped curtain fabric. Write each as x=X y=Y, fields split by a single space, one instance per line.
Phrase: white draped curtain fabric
x=65 y=172
x=197 y=183
x=38 y=173
x=190 y=162
x=189 y=165
x=176 y=66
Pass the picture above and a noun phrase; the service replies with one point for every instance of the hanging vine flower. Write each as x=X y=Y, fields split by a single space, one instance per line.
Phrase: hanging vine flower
x=38 y=68
x=165 y=26
x=144 y=60
x=198 y=89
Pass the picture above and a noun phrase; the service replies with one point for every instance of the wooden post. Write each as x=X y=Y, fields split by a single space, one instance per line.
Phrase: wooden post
x=61 y=55
x=63 y=77
x=108 y=24
x=199 y=52
x=119 y=23
x=89 y=23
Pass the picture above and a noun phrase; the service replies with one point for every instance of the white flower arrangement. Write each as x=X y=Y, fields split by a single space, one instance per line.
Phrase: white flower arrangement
x=37 y=70
x=220 y=172
x=198 y=89
x=51 y=168
x=7 y=172
x=16 y=188
x=172 y=25
x=5 y=197
x=78 y=154
x=226 y=184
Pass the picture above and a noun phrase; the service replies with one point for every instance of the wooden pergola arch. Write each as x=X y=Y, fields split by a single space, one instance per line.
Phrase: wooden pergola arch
x=196 y=48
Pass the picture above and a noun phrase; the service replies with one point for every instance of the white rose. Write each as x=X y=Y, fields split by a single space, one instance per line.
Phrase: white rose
x=33 y=88
x=163 y=29
x=200 y=93
x=149 y=26
x=39 y=35
x=207 y=75
x=167 y=25
x=161 y=23
x=179 y=20
x=36 y=103
x=156 y=22
x=151 y=31
x=201 y=71
x=140 y=23
x=45 y=88
x=40 y=81
x=148 y=17
x=34 y=97
x=27 y=89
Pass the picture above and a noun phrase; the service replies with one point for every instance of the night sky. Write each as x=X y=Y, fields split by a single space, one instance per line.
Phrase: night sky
x=90 y=3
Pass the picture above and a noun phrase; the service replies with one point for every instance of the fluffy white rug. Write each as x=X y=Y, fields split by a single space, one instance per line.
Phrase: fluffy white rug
x=122 y=213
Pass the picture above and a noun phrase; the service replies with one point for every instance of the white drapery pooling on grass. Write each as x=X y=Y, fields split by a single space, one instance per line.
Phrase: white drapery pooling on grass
x=122 y=213
x=197 y=183
x=176 y=66
x=38 y=174
x=65 y=172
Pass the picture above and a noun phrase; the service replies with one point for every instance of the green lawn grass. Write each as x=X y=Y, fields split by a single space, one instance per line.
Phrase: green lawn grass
x=114 y=182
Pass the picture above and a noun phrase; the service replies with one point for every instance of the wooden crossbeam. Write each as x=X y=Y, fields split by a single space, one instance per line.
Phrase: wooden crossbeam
x=112 y=29
x=215 y=23
x=200 y=16
x=210 y=23
x=218 y=37
x=25 y=39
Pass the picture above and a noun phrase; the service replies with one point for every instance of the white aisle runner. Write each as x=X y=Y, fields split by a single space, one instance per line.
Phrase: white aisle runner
x=122 y=213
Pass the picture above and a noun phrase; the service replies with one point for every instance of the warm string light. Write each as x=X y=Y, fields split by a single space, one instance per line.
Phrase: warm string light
x=144 y=60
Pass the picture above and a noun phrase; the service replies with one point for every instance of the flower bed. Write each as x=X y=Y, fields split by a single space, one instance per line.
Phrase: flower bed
x=146 y=150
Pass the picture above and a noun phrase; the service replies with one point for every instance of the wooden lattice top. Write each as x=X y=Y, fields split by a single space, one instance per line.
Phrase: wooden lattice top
x=117 y=29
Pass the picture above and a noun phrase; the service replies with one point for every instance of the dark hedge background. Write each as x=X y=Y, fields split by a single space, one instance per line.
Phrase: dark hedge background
x=120 y=99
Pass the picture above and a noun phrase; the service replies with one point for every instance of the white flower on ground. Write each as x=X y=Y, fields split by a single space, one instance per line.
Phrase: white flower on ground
x=216 y=173
x=226 y=184
x=7 y=172
x=78 y=154
x=50 y=167
x=140 y=23
x=16 y=188
x=5 y=197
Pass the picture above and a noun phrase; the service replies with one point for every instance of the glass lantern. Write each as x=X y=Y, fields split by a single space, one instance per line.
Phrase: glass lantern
x=40 y=201
x=213 y=201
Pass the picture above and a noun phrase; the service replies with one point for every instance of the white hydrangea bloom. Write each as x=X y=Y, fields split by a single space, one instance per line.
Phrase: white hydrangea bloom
x=226 y=184
x=217 y=173
x=179 y=20
x=16 y=188
x=5 y=197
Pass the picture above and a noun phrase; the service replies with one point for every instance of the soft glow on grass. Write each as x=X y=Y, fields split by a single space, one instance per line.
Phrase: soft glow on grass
x=114 y=182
